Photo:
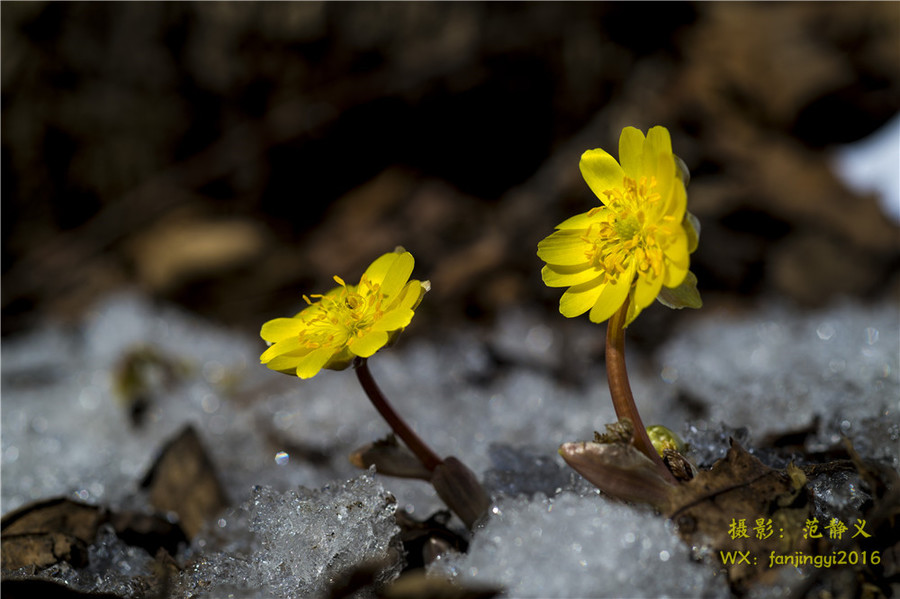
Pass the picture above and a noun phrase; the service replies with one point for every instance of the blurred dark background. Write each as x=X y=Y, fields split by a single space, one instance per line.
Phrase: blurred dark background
x=231 y=156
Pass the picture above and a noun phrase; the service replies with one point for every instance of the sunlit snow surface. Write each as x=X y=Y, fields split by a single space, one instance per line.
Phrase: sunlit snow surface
x=299 y=542
x=872 y=165
x=581 y=546
x=500 y=400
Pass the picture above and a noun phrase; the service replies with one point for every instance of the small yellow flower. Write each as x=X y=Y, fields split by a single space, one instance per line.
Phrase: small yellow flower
x=346 y=322
x=636 y=243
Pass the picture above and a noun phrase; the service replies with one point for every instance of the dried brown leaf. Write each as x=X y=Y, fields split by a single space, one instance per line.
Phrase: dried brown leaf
x=183 y=481
x=740 y=487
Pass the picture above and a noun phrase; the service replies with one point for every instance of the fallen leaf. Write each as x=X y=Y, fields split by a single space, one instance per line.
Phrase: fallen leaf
x=183 y=481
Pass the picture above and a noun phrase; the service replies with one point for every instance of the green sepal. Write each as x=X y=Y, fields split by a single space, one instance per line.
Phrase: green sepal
x=681 y=170
x=683 y=296
x=692 y=227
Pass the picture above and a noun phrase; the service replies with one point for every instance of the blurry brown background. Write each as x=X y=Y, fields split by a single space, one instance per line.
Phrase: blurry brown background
x=229 y=157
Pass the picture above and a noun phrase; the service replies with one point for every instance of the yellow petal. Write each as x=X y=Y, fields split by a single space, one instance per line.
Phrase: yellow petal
x=368 y=344
x=567 y=276
x=286 y=363
x=677 y=201
x=411 y=295
x=613 y=297
x=631 y=151
x=378 y=270
x=309 y=365
x=340 y=360
x=578 y=299
x=601 y=172
x=398 y=274
x=585 y=219
x=304 y=312
x=395 y=319
x=667 y=181
x=646 y=289
x=633 y=310
x=565 y=248
x=675 y=274
x=291 y=344
x=676 y=260
x=658 y=143
x=281 y=328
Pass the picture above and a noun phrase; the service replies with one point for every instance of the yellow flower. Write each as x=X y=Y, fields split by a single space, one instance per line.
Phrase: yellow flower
x=348 y=321
x=636 y=243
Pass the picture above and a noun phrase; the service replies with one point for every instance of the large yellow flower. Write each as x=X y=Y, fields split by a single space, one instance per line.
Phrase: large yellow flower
x=634 y=245
x=346 y=322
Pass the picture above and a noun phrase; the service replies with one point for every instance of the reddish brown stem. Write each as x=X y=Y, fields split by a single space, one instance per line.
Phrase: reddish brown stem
x=620 y=389
x=428 y=458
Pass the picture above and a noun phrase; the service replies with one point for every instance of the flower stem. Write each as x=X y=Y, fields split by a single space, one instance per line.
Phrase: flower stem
x=620 y=389
x=428 y=458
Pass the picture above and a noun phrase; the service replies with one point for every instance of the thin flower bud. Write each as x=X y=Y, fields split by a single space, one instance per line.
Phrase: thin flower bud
x=390 y=458
x=662 y=439
x=459 y=488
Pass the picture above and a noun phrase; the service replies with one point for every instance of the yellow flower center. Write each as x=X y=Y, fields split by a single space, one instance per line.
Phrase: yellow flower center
x=626 y=228
x=352 y=312
x=633 y=229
